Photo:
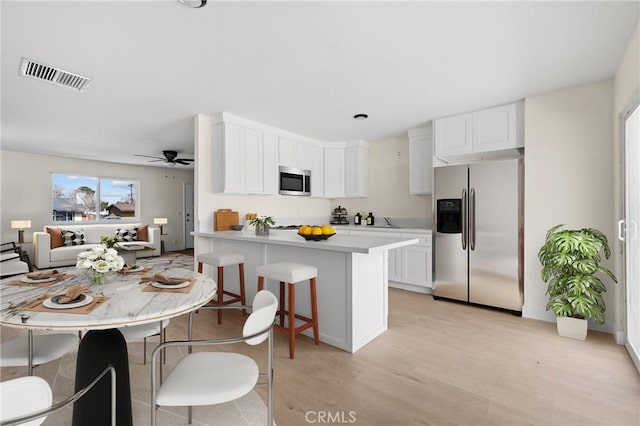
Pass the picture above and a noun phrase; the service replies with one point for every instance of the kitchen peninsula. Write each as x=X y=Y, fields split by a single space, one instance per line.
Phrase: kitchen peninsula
x=351 y=284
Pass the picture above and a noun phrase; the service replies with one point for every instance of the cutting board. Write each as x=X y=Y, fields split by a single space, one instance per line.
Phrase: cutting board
x=224 y=218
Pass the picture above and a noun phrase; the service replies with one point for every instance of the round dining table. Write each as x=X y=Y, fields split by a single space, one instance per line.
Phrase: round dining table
x=125 y=300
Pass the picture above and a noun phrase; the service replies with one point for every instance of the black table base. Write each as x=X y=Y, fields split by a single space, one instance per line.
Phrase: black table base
x=98 y=349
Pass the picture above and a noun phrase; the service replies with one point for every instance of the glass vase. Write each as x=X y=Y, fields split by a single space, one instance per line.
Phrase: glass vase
x=262 y=229
x=98 y=278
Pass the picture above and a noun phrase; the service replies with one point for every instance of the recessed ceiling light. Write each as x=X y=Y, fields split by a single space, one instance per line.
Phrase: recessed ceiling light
x=361 y=116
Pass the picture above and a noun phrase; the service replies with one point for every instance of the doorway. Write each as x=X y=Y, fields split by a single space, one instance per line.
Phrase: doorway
x=629 y=230
x=188 y=215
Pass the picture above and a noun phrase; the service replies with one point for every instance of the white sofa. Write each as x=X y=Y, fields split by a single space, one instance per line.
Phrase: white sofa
x=47 y=257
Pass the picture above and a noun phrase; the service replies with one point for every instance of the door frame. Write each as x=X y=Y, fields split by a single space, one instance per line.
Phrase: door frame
x=633 y=104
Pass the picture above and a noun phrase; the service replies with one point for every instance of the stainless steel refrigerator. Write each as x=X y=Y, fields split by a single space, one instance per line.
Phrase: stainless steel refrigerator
x=478 y=233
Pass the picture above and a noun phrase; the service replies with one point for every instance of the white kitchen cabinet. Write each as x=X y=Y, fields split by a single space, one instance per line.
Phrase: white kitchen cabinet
x=487 y=133
x=395 y=265
x=238 y=164
x=317 y=171
x=334 y=178
x=416 y=265
x=294 y=153
x=421 y=160
x=271 y=172
x=287 y=152
x=357 y=170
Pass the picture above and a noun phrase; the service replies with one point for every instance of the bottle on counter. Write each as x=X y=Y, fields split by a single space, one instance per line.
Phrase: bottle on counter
x=357 y=219
x=370 y=219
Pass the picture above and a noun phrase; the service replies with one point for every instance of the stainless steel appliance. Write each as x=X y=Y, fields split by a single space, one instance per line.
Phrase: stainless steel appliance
x=295 y=181
x=478 y=233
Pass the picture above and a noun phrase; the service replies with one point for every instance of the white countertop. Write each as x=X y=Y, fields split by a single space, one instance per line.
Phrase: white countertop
x=401 y=229
x=338 y=242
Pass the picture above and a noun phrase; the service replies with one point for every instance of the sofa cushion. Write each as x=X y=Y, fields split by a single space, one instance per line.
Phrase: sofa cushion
x=143 y=233
x=70 y=253
x=127 y=234
x=56 y=237
x=73 y=237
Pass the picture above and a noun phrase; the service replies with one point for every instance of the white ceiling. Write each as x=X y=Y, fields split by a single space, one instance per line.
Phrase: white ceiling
x=306 y=67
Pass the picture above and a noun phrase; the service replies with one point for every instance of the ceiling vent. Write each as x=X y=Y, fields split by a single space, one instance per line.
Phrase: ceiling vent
x=32 y=69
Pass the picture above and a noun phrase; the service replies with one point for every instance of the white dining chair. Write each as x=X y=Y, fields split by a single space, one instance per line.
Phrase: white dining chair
x=141 y=332
x=27 y=400
x=31 y=350
x=209 y=378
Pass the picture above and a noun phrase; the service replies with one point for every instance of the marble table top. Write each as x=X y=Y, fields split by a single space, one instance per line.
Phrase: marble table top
x=127 y=303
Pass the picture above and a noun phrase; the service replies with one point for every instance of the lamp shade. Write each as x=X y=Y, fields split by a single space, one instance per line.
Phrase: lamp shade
x=160 y=220
x=20 y=224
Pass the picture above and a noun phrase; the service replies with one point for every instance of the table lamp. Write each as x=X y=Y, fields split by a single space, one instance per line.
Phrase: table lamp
x=160 y=221
x=20 y=225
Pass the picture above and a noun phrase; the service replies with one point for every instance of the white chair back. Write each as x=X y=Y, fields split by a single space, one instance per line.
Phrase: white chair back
x=265 y=305
x=24 y=395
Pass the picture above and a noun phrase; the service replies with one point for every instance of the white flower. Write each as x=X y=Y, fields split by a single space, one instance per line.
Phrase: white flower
x=101 y=259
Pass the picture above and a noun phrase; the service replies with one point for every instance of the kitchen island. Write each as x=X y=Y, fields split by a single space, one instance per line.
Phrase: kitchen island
x=351 y=284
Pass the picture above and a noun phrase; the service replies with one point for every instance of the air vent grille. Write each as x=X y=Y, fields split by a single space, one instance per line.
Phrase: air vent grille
x=57 y=76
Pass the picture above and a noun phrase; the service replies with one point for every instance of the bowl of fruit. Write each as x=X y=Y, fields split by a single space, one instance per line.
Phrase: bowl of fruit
x=316 y=233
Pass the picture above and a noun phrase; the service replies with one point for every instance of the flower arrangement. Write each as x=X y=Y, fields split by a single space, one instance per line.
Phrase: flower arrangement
x=110 y=241
x=262 y=224
x=99 y=261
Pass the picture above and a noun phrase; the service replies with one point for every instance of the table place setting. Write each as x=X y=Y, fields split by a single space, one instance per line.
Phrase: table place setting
x=75 y=300
x=134 y=269
x=164 y=283
x=40 y=278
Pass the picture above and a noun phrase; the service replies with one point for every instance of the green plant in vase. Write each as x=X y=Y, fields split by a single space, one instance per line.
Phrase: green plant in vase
x=262 y=224
x=570 y=259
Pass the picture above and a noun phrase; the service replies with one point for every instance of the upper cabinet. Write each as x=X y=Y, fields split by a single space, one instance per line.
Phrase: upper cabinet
x=346 y=169
x=245 y=159
x=356 y=169
x=492 y=132
x=247 y=156
x=421 y=160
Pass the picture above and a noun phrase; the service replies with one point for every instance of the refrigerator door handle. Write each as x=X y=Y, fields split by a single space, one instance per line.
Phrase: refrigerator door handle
x=472 y=219
x=621 y=230
x=464 y=219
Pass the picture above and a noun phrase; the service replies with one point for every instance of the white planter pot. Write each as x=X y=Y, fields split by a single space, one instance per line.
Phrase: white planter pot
x=573 y=328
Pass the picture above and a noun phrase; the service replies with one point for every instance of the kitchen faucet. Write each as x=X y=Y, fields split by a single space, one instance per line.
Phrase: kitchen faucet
x=388 y=220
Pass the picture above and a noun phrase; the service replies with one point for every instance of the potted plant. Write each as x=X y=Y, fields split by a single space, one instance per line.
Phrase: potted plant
x=262 y=224
x=570 y=259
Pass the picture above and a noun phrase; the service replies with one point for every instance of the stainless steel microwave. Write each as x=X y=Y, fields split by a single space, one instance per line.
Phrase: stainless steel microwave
x=295 y=181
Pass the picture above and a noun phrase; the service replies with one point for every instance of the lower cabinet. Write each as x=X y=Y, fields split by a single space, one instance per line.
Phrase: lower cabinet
x=408 y=267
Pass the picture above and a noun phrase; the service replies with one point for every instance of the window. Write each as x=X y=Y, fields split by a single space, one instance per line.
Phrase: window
x=91 y=199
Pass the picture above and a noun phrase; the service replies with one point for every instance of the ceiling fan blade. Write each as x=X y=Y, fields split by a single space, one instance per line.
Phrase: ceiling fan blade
x=182 y=161
x=149 y=156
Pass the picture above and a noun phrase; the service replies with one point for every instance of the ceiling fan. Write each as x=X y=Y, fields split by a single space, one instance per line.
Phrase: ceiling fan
x=170 y=158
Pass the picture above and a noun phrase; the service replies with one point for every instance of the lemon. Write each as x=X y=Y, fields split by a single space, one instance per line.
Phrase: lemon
x=317 y=230
x=327 y=230
x=306 y=230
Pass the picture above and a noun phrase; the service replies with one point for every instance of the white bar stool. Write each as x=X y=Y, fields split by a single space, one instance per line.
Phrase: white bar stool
x=292 y=273
x=220 y=260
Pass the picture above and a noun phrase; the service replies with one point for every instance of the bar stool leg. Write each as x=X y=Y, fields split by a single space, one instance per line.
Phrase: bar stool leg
x=281 y=308
x=199 y=267
x=314 y=311
x=243 y=299
x=292 y=320
x=260 y=283
x=220 y=298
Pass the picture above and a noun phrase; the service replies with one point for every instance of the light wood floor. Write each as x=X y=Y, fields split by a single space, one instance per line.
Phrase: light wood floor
x=442 y=363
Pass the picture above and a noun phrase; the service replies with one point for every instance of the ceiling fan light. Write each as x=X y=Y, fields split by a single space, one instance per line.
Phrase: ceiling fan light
x=194 y=3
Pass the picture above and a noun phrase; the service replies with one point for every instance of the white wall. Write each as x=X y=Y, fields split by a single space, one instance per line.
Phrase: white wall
x=389 y=185
x=569 y=178
x=26 y=191
x=626 y=86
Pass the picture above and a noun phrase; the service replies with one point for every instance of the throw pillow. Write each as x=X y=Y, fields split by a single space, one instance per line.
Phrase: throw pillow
x=127 y=235
x=143 y=233
x=73 y=238
x=56 y=237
